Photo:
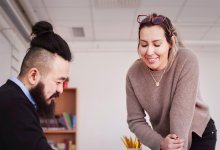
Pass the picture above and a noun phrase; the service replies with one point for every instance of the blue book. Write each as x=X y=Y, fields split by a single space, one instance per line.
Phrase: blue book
x=74 y=121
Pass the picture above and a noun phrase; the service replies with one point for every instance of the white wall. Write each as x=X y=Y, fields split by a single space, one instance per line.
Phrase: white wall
x=11 y=55
x=100 y=80
x=5 y=59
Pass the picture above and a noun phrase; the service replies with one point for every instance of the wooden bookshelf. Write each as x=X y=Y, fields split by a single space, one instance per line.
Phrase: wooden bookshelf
x=60 y=135
x=58 y=131
x=65 y=103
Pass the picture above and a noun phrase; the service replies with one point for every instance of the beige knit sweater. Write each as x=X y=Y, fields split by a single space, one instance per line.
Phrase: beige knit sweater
x=175 y=106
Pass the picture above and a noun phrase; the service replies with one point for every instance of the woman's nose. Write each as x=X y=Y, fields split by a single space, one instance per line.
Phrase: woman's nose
x=149 y=50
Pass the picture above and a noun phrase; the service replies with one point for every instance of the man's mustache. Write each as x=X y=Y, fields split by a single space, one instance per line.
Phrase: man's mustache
x=55 y=95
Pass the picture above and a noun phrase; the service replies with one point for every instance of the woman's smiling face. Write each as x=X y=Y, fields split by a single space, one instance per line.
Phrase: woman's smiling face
x=153 y=47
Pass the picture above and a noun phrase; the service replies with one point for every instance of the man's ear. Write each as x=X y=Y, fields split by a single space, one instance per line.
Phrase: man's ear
x=33 y=76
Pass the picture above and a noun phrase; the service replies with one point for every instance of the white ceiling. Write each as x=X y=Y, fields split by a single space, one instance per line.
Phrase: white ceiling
x=112 y=23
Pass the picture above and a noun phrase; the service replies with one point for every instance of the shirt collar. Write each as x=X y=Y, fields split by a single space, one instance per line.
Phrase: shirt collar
x=24 y=89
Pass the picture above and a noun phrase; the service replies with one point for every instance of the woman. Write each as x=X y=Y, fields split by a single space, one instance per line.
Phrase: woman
x=164 y=84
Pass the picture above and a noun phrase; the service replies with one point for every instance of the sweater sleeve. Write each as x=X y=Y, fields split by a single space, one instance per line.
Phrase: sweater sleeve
x=184 y=100
x=137 y=122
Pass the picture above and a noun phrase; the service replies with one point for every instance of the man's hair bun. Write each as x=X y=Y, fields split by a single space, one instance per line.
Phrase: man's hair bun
x=43 y=37
x=41 y=27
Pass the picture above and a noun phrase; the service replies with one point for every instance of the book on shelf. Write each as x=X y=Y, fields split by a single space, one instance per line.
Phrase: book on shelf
x=49 y=122
x=63 y=121
x=67 y=120
x=73 y=121
x=66 y=144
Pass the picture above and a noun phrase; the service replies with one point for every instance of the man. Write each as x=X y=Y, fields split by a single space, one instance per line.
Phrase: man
x=44 y=69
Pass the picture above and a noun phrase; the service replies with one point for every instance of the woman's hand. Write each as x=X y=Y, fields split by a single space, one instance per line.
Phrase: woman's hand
x=172 y=142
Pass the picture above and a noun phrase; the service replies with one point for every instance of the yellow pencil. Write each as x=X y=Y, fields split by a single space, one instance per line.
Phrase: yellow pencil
x=123 y=140
x=136 y=143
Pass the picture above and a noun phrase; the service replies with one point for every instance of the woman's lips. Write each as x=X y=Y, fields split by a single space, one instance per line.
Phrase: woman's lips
x=152 y=60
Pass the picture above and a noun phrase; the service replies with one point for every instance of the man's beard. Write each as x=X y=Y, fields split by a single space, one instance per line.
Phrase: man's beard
x=44 y=109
